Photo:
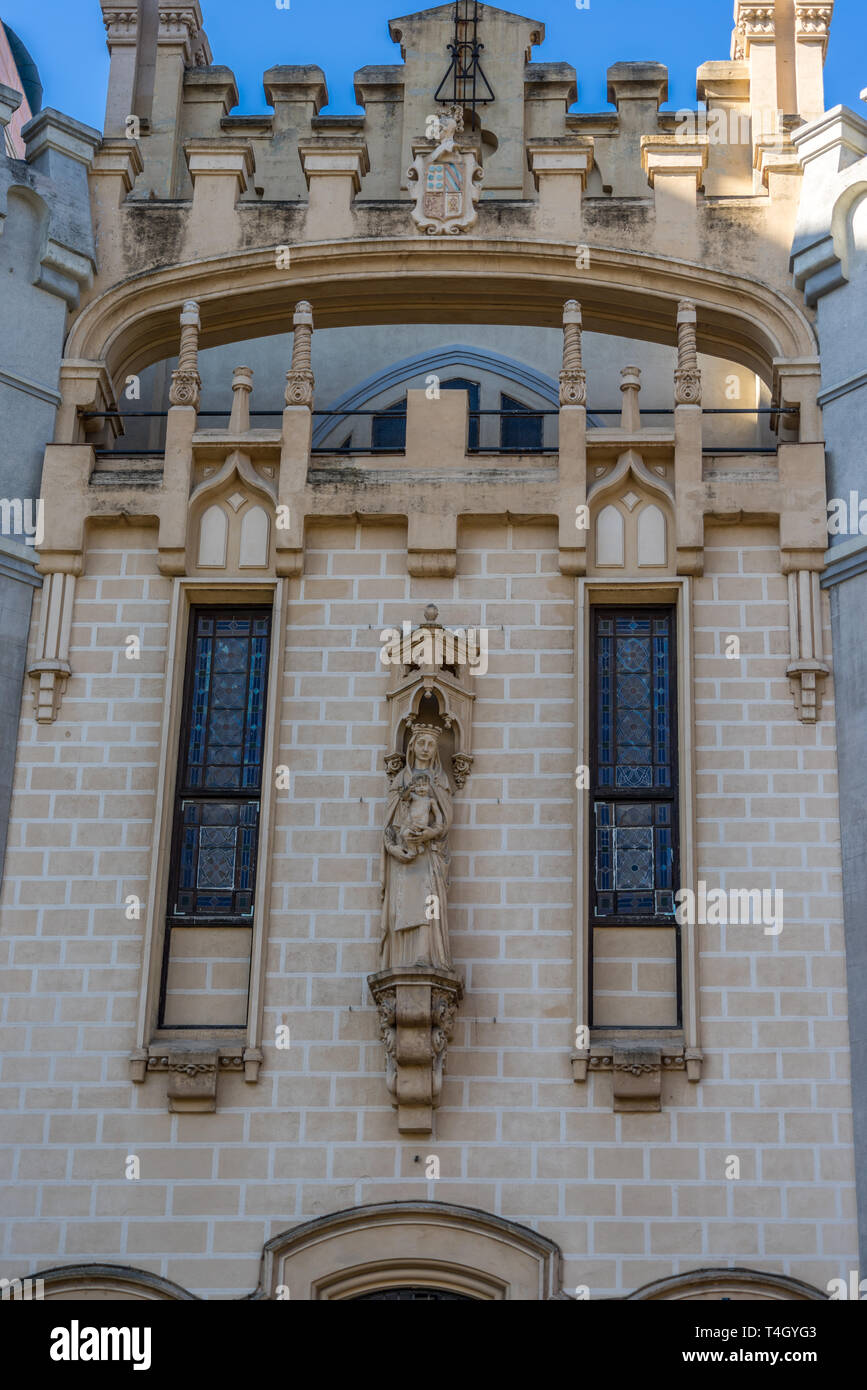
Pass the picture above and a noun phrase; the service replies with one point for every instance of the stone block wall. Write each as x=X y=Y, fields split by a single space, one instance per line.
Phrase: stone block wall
x=628 y=1197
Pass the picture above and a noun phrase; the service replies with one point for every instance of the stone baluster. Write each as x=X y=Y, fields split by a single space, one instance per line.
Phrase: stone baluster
x=186 y=383
x=242 y=386
x=299 y=378
x=687 y=377
x=630 y=413
x=573 y=378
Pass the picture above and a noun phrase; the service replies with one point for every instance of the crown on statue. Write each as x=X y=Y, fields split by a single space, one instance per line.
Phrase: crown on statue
x=426 y=729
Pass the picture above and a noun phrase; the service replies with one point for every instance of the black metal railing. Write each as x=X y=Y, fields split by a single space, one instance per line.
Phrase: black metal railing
x=521 y=432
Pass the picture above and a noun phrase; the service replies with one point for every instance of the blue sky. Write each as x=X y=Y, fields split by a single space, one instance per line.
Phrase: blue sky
x=67 y=39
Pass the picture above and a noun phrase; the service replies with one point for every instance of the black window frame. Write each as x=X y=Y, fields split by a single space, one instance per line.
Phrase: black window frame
x=671 y=795
x=513 y=415
x=183 y=794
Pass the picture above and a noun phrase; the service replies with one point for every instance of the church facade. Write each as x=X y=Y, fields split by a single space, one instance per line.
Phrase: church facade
x=424 y=873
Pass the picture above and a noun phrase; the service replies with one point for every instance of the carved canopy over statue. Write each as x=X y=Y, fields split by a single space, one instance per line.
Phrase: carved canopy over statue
x=415 y=857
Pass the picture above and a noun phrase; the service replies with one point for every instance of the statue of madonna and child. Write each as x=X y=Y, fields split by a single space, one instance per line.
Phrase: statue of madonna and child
x=415 y=858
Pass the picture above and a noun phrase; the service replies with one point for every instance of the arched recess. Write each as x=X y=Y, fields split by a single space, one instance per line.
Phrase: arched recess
x=471 y=279
x=404 y=1244
x=714 y=1285
x=843 y=224
x=116 y=1283
x=230 y=519
x=631 y=521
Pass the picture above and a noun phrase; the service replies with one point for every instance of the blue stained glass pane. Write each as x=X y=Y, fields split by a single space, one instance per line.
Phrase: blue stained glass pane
x=633 y=654
x=218 y=858
x=633 y=870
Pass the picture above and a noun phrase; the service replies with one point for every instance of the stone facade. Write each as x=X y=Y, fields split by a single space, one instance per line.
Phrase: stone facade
x=629 y=1110
x=829 y=260
x=46 y=257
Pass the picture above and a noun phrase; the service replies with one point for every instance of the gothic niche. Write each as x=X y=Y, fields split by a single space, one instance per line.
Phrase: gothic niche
x=417 y=990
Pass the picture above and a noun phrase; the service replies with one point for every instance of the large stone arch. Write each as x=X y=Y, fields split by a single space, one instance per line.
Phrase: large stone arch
x=625 y=293
x=397 y=1244
x=108 y=1283
x=706 y=1285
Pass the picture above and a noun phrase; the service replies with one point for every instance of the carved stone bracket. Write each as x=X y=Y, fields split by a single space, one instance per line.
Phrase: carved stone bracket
x=807 y=666
x=50 y=671
x=637 y=1070
x=193 y=1069
x=417 y=1008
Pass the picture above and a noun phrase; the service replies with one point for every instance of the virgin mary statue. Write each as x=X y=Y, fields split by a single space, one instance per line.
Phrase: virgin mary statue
x=415 y=858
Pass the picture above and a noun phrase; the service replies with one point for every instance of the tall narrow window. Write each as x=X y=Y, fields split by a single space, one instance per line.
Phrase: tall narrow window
x=633 y=774
x=215 y=836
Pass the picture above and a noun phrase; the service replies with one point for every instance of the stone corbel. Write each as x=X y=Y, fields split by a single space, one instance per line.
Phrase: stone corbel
x=637 y=1070
x=50 y=670
x=116 y=166
x=560 y=166
x=417 y=1008
x=334 y=166
x=675 y=171
x=61 y=150
x=192 y=1070
x=86 y=389
x=221 y=170
x=807 y=666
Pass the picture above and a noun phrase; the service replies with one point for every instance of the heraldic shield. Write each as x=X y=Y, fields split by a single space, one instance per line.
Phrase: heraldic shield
x=447 y=185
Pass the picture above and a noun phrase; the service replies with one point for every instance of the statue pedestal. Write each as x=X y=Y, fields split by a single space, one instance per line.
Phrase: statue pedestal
x=417 y=1006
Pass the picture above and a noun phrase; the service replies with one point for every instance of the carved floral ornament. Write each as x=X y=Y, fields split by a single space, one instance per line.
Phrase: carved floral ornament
x=813 y=21
x=752 y=22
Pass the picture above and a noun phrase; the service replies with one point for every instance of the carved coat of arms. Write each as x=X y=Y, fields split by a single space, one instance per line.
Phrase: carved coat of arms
x=447 y=183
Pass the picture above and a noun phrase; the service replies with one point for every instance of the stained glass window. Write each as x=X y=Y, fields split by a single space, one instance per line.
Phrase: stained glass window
x=633 y=772
x=219 y=785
